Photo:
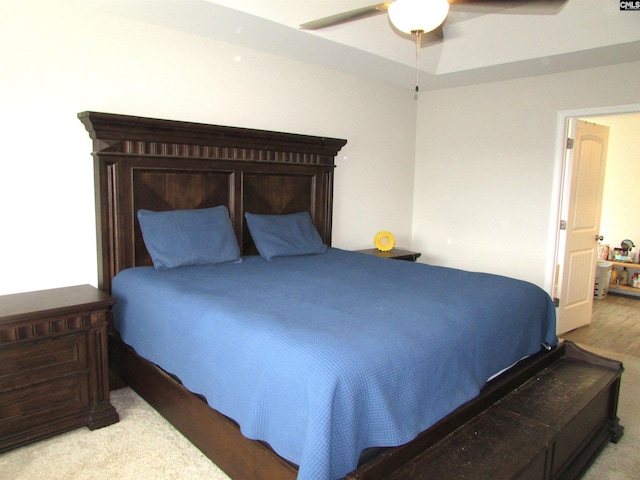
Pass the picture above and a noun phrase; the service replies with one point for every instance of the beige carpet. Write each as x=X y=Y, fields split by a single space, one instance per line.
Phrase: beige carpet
x=143 y=446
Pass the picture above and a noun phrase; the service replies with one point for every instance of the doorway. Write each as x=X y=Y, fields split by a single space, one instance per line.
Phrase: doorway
x=562 y=189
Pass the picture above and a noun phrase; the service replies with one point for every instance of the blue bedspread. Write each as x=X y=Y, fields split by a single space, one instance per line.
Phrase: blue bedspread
x=322 y=356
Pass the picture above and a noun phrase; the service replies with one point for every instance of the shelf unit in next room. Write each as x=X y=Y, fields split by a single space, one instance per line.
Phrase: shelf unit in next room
x=625 y=289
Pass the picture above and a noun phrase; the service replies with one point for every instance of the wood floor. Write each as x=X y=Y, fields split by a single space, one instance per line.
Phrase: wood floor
x=615 y=326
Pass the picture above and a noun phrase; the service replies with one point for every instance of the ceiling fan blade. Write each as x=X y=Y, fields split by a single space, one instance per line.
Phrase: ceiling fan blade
x=344 y=17
x=520 y=7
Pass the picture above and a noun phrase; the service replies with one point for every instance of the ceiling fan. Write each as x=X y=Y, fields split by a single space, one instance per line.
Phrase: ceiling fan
x=413 y=13
x=419 y=17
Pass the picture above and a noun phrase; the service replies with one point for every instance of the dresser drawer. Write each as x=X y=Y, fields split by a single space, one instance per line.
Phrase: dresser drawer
x=26 y=408
x=45 y=360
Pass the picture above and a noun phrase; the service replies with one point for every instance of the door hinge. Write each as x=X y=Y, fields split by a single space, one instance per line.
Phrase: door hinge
x=556 y=302
x=563 y=224
x=569 y=143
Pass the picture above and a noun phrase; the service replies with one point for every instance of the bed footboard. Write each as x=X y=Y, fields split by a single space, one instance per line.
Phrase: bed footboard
x=548 y=417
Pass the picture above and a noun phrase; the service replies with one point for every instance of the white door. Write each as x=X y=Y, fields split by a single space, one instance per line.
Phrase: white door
x=585 y=174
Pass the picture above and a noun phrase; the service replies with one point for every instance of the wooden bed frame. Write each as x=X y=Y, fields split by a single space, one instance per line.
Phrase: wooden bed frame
x=162 y=165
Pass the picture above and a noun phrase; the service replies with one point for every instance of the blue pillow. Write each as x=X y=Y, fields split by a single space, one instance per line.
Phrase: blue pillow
x=183 y=238
x=284 y=235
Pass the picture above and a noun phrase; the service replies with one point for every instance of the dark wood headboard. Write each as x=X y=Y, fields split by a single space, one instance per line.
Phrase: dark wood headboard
x=164 y=165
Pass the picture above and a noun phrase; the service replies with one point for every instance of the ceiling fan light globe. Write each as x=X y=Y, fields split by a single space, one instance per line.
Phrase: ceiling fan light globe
x=410 y=16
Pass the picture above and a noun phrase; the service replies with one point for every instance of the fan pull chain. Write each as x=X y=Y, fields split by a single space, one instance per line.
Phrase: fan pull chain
x=418 y=34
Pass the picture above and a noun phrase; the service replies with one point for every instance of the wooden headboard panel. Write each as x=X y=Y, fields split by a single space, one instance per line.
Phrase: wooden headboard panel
x=164 y=165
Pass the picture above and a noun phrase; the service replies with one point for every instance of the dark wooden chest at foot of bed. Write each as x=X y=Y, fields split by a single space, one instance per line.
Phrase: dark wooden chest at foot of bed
x=551 y=427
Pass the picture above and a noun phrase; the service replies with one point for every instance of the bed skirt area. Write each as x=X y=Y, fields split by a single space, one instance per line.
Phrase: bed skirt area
x=547 y=417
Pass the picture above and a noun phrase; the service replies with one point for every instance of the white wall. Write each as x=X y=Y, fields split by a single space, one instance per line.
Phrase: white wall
x=485 y=163
x=60 y=58
x=621 y=201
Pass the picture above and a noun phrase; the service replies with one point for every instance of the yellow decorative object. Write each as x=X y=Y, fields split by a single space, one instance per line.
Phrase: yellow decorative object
x=384 y=241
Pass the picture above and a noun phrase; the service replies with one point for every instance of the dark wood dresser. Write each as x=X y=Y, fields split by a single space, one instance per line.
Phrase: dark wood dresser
x=53 y=363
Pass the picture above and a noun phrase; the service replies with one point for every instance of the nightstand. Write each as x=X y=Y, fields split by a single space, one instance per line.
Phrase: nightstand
x=395 y=253
x=53 y=363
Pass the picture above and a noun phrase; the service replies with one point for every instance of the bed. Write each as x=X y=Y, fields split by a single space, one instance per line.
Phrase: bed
x=157 y=168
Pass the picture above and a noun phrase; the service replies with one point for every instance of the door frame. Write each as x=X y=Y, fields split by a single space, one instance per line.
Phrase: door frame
x=561 y=186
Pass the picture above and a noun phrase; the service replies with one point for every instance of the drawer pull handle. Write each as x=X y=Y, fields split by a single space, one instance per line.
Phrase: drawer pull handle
x=38 y=362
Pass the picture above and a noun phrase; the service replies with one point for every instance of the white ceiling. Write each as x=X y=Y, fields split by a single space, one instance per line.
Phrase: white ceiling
x=481 y=43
